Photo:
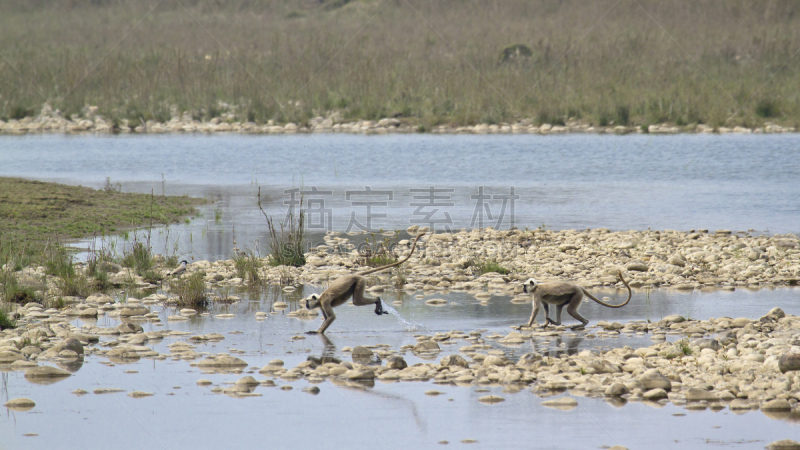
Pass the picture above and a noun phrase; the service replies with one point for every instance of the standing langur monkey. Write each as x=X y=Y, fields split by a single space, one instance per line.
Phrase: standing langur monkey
x=346 y=286
x=561 y=293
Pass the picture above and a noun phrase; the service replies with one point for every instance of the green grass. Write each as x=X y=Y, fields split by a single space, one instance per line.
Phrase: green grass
x=491 y=266
x=683 y=347
x=35 y=217
x=719 y=62
x=33 y=211
x=381 y=260
x=287 y=243
x=5 y=322
x=14 y=292
x=191 y=290
x=247 y=267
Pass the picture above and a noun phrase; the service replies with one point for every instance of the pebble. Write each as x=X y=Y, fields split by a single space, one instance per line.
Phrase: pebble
x=491 y=399
x=139 y=394
x=562 y=403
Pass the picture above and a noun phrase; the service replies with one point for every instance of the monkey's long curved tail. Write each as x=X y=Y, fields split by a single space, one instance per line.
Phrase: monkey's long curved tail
x=377 y=269
x=608 y=304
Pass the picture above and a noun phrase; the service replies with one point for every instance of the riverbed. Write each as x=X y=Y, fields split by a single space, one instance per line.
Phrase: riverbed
x=683 y=182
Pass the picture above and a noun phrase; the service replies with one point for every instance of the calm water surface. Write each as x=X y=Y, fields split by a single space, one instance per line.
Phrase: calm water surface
x=564 y=182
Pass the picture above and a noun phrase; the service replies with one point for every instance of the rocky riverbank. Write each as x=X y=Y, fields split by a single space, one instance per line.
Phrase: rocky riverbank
x=697 y=259
x=52 y=122
x=649 y=259
x=737 y=363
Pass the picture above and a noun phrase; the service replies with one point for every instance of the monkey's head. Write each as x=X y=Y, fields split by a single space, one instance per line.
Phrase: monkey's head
x=529 y=285
x=311 y=302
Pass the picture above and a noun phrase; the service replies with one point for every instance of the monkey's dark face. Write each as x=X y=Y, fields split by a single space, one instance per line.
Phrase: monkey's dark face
x=311 y=302
x=529 y=285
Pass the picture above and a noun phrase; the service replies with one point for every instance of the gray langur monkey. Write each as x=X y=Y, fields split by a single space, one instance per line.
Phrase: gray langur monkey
x=348 y=286
x=560 y=294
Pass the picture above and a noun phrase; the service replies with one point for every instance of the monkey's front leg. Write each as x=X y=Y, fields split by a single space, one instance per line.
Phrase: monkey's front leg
x=327 y=312
x=535 y=312
x=379 y=307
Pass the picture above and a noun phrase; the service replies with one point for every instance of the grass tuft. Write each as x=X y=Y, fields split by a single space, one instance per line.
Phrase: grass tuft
x=286 y=246
x=5 y=321
x=191 y=290
x=248 y=266
x=491 y=266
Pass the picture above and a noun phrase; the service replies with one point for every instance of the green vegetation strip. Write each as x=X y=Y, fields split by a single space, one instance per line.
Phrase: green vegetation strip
x=33 y=211
x=717 y=62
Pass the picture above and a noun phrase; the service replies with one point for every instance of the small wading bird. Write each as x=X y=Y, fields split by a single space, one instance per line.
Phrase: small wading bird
x=179 y=270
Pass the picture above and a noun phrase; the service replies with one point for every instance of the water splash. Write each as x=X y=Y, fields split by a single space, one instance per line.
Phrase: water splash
x=409 y=325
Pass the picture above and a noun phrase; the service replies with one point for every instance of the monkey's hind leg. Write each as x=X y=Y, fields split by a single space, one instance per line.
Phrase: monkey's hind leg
x=572 y=309
x=547 y=319
x=359 y=299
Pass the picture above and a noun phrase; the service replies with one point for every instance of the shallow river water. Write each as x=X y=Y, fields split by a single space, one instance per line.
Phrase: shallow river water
x=681 y=182
x=563 y=182
x=182 y=414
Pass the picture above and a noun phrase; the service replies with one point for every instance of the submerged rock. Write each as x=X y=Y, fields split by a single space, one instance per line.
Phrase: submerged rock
x=20 y=404
x=562 y=403
x=491 y=399
x=222 y=360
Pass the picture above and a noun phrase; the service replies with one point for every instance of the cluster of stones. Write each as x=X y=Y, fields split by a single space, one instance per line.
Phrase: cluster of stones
x=592 y=258
x=49 y=121
x=450 y=261
x=737 y=363
x=751 y=364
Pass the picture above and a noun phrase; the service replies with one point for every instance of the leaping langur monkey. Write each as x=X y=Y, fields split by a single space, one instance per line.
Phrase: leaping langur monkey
x=346 y=286
x=560 y=294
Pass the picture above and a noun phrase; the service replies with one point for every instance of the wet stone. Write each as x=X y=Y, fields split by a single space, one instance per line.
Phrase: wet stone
x=491 y=399
x=616 y=389
x=20 y=404
x=655 y=394
x=563 y=403
x=46 y=372
x=784 y=444
x=247 y=381
x=140 y=394
x=653 y=379
x=694 y=394
x=778 y=404
x=396 y=362
x=454 y=361
x=100 y=391
x=313 y=390
x=426 y=347
x=222 y=361
x=789 y=362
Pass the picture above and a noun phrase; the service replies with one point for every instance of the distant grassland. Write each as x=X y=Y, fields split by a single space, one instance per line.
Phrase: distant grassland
x=33 y=211
x=628 y=62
